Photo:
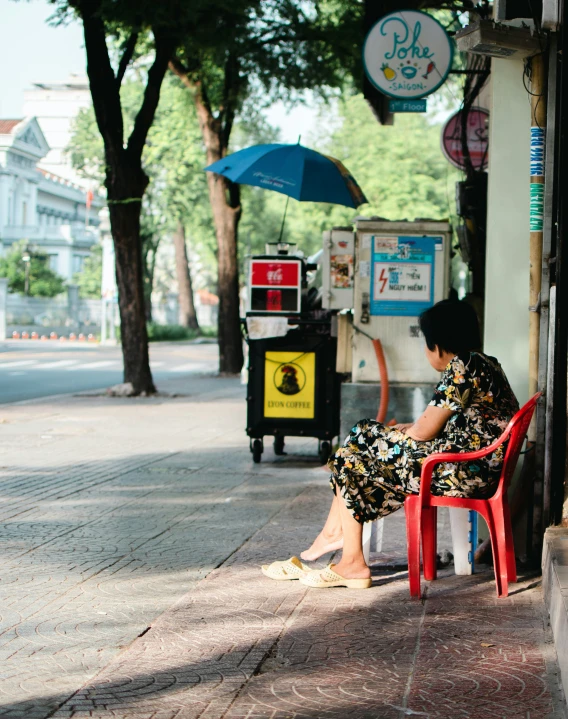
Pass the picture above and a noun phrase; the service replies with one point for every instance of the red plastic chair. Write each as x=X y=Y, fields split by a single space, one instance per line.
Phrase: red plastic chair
x=421 y=509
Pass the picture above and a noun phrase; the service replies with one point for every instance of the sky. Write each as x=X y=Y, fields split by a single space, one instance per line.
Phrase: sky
x=33 y=51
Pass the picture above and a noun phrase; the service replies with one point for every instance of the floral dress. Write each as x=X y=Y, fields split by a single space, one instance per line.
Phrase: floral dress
x=378 y=466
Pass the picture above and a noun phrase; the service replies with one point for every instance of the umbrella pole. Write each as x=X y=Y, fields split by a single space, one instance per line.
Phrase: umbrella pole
x=284 y=219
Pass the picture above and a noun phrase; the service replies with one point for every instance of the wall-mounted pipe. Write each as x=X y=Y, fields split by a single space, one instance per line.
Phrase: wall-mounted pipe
x=383 y=372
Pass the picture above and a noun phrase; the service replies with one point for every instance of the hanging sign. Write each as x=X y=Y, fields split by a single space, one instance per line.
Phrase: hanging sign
x=407 y=54
x=477 y=133
x=289 y=384
x=402 y=274
x=407 y=105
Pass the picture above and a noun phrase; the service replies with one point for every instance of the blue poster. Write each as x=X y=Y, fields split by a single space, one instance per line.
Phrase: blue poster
x=402 y=274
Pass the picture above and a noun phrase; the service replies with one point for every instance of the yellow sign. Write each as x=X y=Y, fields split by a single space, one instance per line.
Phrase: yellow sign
x=289 y=384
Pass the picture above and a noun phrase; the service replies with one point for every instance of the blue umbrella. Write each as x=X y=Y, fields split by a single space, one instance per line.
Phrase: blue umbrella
x=292 y=170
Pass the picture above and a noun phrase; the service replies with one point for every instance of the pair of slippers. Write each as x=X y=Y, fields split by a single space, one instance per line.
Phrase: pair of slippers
x=294 y=568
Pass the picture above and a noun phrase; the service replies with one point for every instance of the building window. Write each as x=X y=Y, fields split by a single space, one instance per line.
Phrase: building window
x=24 y=213
x=78 y=262
x=53 y=262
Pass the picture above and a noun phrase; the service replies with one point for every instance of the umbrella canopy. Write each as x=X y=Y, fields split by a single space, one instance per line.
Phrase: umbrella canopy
x=292 y=170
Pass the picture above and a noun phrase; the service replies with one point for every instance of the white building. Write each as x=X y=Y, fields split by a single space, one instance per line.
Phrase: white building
x=55 y=106
x=45 y=209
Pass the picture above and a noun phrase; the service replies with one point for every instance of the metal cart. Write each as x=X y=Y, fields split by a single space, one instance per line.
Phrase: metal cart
x=293 y=388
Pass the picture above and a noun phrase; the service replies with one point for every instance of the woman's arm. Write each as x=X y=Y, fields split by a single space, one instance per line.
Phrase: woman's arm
x=430 y=424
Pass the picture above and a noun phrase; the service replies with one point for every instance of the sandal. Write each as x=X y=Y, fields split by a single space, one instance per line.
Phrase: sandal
x=323 y=578
x=292 y=568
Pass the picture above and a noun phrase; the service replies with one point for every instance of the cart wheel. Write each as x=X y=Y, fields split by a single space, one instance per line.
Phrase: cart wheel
x=257 y=450
x=278 y=444
x=324 y=452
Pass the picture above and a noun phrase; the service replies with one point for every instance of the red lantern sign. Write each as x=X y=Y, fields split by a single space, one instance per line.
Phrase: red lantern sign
x=477 y=132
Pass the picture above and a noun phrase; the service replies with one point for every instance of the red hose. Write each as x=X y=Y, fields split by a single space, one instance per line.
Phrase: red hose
x=384 y=375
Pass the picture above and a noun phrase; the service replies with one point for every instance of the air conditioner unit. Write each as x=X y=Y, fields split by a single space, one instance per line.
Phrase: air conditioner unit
x=497 y=40
x=528 y=11
x=504 y=10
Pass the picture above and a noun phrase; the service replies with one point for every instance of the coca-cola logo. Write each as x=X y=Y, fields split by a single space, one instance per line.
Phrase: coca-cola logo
x=274 y=275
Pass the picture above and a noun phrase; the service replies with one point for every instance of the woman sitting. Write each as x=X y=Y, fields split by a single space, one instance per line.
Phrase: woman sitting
x=378 y=466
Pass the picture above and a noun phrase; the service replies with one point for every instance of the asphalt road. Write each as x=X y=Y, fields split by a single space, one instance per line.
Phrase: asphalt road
x=30 y=369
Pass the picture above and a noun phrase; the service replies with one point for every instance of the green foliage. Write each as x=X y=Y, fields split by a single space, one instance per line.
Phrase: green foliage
x=170 y=333
x=163 y=160
x=174 y=158
x=90 y=277
x=152 y=223
x=86 y=148
x=176 y=333
x=276 y=49
x=43 y=282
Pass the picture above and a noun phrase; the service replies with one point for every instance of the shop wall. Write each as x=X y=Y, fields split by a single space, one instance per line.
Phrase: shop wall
x=507 y=268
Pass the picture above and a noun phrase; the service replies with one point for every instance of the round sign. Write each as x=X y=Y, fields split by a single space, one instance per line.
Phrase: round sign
x=477 y=133
x=407 y=54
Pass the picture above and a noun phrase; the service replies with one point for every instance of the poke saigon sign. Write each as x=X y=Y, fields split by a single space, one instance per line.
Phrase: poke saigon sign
x=407 y=55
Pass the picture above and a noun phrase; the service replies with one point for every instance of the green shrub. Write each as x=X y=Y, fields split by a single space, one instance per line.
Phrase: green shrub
x=170 y=333
x=42 y=281
x=173 y=333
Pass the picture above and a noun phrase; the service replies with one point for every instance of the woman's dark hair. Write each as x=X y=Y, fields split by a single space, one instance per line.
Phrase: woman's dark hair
x=451 y=326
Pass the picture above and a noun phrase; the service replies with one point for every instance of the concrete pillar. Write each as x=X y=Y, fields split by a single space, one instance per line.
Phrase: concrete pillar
x=172 y=312
x=104 y=321
x=73 y=303
x=507 y=264
x=114 y=320
x=3 y=299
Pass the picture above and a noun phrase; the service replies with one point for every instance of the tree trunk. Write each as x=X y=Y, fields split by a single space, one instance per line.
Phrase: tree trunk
x=224 y=197
x=226 y=220
x=125 y=179
x=187 y=314
x=125 y=228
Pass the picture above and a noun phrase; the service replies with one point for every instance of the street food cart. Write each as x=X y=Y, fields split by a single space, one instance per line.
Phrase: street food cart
x=293 y=389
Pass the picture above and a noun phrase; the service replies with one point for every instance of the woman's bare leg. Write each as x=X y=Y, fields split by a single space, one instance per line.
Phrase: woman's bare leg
x=330 y=539
x=352 y=564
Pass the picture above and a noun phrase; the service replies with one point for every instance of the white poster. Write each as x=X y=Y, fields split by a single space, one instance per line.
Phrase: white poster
x=402 y=281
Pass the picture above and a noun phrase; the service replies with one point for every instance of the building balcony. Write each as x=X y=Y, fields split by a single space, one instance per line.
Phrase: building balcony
x=74 y=233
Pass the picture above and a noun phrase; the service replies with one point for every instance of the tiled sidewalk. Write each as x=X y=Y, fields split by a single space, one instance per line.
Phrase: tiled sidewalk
x=132 y=538
x=240 y=646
